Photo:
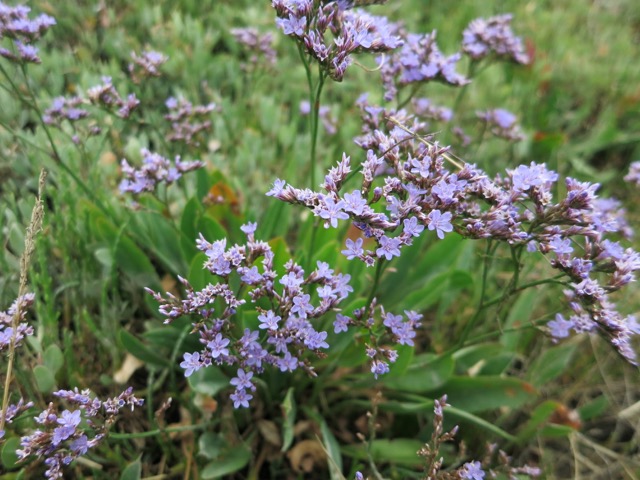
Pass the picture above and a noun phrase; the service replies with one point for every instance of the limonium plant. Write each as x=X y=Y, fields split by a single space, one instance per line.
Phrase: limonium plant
x=284 y=323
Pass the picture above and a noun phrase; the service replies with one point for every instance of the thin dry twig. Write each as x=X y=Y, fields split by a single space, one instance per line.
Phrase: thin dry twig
x=35 y=225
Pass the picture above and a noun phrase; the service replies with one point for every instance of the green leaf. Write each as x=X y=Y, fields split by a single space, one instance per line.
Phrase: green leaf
x=497 y=365
x=539 y=417
x=210 y=445
x=429 y=294
x=53 y=358
x=594 y=408
x=189 y=220
x=130 y=259
x=426 y=373
x=332 y=447
x=231 y=461
x=401 y=451
x=138 y=349
x=199 y=277
x=133 y=471
x=289 y=414
x=475 y=356
x=550 y=364
x=556 y=431
x=210 y=229
x=9 y=455
x=478 y=394
x=480 y=422
x=327 y=252
x=160 y=236
x=275 y=220
x=208 y=380
x=519 y=316
x=45 y=379
x=280 y=254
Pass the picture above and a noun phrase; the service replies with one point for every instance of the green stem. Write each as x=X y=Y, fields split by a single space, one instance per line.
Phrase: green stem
x=486 y=263
x=463 y=90
x=506 y=295
x=413 y=92
x=315 y=114
x=153 y=433
x=376 y=281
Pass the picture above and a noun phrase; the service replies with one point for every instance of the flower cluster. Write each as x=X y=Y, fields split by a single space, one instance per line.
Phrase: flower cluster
x=187 y=121
x=288 y=304
x=419 y=193
x=260 y=46
x=107 y=96
x=503 y=124
x=424 y=108
x=16 y=25
x=61 y=439
x=13 y=411
x=418 y=61
x=146 y=65
x=8 y=321
x=155 y=169
x=64 y=109
x=330 y=34
x=472 y=470
x=634 y=173
x=392 y=329
x=493 y=36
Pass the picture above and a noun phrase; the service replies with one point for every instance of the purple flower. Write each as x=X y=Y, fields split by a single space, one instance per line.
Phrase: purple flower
x=562 y=246
x=527 y=177
x=68 y=423
x=258 y=45
x=316 y=340
x=389 y=247
x=379 y=368
x=269 y=321
x=440 y=222
x=331 y=211
x=241 y=398
x=191 y=363
x=354 y=248
x=341 y=323
x=155 y=169
x=292 y=25
x=504 y=124
x=412 y=227
x=288 y=363
x=472 y=471
x=80 y=445
x=243 y=380
x=559 y=328
x=354 y=203
x=249 y=228
x=301 y=305
x=493 y=36
x=218 y=346
x=250 y=276
x=634 y=173
x=278 y=187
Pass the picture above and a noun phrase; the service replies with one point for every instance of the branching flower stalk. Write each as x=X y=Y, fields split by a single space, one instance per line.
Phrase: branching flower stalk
x=34 y=227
